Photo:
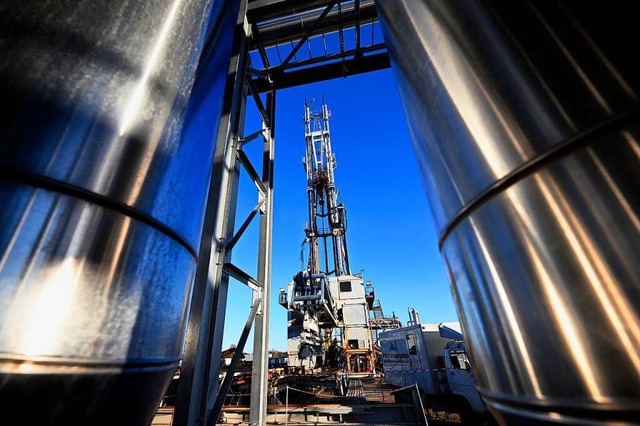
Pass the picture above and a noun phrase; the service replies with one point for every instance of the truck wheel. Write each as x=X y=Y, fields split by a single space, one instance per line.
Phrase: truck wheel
x=467 y=415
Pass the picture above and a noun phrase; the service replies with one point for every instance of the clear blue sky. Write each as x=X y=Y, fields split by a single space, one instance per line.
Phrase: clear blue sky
x=391 y=235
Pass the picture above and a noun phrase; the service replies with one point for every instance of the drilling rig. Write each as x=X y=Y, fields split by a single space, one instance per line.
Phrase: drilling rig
x=327 y=304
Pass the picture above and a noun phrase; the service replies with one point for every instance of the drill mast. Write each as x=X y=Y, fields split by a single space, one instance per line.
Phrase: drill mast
x=324 y=297
x=327 y=217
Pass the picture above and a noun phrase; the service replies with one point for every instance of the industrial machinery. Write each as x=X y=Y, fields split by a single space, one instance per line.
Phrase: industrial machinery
x=119 y=160
x=326 y=296
x=434 y=357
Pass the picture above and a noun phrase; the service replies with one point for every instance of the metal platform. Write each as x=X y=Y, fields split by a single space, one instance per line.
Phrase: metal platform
x=294 y=43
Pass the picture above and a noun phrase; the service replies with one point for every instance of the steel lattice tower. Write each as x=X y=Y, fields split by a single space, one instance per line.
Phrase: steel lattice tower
x=327 y=217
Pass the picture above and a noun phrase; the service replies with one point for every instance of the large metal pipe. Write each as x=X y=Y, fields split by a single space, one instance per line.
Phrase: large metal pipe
x=105 y=159
x=524 y=117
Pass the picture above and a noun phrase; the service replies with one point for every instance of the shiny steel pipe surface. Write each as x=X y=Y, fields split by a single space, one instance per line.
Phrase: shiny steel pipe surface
x=524 y=117
x=105 y=159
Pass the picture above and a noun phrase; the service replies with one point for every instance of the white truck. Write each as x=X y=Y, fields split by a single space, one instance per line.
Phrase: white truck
x=434 y=357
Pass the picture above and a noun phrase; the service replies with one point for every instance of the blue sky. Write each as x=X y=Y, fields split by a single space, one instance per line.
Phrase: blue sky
x=391 y=235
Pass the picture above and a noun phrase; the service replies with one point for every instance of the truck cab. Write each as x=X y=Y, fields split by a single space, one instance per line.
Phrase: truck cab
x=434 y=357
x=460 y=375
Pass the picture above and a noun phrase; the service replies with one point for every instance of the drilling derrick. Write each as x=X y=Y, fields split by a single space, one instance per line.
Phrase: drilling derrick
x=324 y=209
x=327 y=305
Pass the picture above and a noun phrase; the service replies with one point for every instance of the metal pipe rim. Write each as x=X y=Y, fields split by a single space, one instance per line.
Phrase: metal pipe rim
x=618 y=409
x=559 y=151
x=54 y=185
x=9 y=358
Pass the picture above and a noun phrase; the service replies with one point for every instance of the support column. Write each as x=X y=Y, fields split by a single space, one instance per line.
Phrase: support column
x=200 y=365
x=259 y=382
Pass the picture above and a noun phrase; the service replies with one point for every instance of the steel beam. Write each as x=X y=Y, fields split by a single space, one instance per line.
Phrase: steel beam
x=251 y=171
x=244 y=225
x=226 y=382
x=354 y=66
x=256 y=97
x=245 y=140
x=328 y=58
x=263 y=53
x=259 y=383
x=294 y=25
x=199 y=370
x=357 y=26
x=271 y=9
x=308 y=32
x=240 y=275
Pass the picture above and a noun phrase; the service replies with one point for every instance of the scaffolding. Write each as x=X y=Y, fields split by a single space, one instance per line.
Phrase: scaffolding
x=271 y=40
x=380 y=322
